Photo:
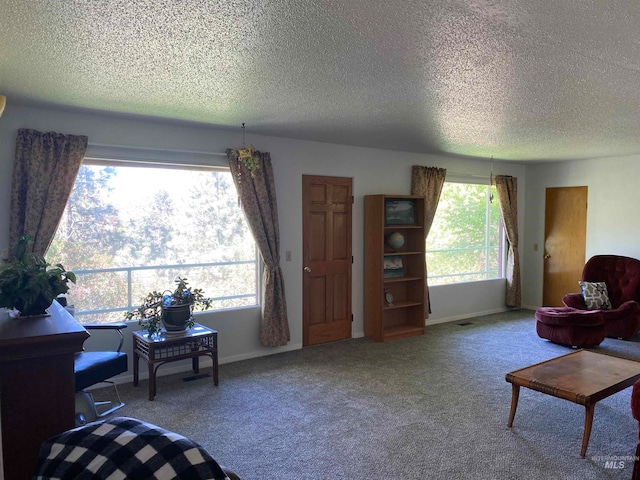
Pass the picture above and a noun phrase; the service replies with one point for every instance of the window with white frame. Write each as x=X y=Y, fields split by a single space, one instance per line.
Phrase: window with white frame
x=466 y=240
x=130 y=228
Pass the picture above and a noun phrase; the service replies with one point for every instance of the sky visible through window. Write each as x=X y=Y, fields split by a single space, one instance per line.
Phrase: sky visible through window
x=134 y=186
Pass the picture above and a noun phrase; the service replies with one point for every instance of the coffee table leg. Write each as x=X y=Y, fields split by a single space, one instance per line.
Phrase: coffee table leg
x=152 y=381
x=215 y=368
x=515 y=394
x=214 y=357
x=195 y=364
x=588 y=421
x=136 y=358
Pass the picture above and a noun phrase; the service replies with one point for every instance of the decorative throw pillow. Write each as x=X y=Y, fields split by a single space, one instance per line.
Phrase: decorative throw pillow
x=596 y=295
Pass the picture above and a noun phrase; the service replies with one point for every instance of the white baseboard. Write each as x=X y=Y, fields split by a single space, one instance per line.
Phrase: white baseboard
x=465 y=316
x=453 y=319
x=530 y=307
x=261 y=353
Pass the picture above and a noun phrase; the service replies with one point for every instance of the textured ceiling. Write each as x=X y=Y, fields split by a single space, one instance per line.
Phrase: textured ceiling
x=513 y=79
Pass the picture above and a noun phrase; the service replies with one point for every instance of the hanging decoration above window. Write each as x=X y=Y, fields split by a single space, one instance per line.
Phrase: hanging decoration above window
x=492 y=182
x=249 y=156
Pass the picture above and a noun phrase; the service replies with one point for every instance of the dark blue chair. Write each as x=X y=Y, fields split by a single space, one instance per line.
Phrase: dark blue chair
x=91 y=368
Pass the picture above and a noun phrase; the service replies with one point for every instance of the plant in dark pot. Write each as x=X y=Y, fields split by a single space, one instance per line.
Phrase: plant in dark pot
x=29 y=283
x=173 y=309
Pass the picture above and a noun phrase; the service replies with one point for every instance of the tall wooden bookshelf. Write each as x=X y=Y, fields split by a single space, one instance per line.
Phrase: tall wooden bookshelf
x=404 y=315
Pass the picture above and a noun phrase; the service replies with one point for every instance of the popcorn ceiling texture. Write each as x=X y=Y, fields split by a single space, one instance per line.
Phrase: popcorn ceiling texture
x=516 y=80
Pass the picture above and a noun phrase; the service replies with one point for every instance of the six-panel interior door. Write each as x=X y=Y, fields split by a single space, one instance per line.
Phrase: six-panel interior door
x=564 y=242
x=327 y=258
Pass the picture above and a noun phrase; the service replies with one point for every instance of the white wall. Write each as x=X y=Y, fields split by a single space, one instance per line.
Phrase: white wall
x=612 y=217
x=373 y=171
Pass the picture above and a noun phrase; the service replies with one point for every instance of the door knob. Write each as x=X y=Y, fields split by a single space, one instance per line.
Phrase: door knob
x=307 y=269
x=546 y=255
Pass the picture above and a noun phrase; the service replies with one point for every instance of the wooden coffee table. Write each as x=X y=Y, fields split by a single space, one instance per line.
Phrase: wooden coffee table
x=582 y=377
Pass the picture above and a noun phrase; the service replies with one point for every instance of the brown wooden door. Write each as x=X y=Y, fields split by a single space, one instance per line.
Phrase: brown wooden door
x=326 y=230
x=564 y=242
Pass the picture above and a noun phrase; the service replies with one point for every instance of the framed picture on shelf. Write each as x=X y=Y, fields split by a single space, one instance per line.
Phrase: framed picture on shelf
x=393 y=267
x=400 y=211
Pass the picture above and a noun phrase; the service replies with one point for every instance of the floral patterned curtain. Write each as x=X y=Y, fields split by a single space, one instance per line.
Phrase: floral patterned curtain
x=507 y=188
x=428 y=182
x=258 y=199
x=45 y=169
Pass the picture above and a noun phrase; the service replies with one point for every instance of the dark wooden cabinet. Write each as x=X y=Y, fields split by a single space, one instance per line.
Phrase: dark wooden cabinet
x=394 y=303
x=37 y=397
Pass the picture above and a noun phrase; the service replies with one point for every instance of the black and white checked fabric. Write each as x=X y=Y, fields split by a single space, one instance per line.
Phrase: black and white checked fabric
x=124 y=448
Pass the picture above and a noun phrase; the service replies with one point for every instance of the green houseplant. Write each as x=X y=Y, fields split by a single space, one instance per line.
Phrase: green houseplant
x=29 y=283
x=173 y=309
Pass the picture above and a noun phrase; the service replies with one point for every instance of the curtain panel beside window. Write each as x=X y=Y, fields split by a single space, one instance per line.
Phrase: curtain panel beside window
x=257 y=194
x=45 y=169
x=507 y=188
x=428 y=182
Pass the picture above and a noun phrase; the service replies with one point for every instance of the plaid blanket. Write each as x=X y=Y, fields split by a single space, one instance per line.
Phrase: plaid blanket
x=124 y=448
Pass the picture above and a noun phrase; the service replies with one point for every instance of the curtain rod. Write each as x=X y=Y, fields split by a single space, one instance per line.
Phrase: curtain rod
x=150 y=149
x=458 y=174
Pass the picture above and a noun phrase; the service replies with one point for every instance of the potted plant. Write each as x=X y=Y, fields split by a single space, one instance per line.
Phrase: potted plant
x=173 y=309
x=29 y=283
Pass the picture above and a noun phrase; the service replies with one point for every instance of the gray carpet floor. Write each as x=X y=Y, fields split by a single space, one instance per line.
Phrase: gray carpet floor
x=428 y=407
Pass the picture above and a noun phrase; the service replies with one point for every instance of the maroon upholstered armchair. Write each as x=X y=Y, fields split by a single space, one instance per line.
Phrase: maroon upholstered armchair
x=622 y=278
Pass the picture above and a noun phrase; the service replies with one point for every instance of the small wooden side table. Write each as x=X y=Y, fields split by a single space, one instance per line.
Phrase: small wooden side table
x=164 y=348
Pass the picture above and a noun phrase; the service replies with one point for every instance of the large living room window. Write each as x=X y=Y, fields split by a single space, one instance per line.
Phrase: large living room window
x=129 y=229
x=466 y=240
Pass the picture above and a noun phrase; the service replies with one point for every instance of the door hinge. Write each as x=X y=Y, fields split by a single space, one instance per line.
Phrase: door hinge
x=352 y=199
x=351 y=258
x=352 y=317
